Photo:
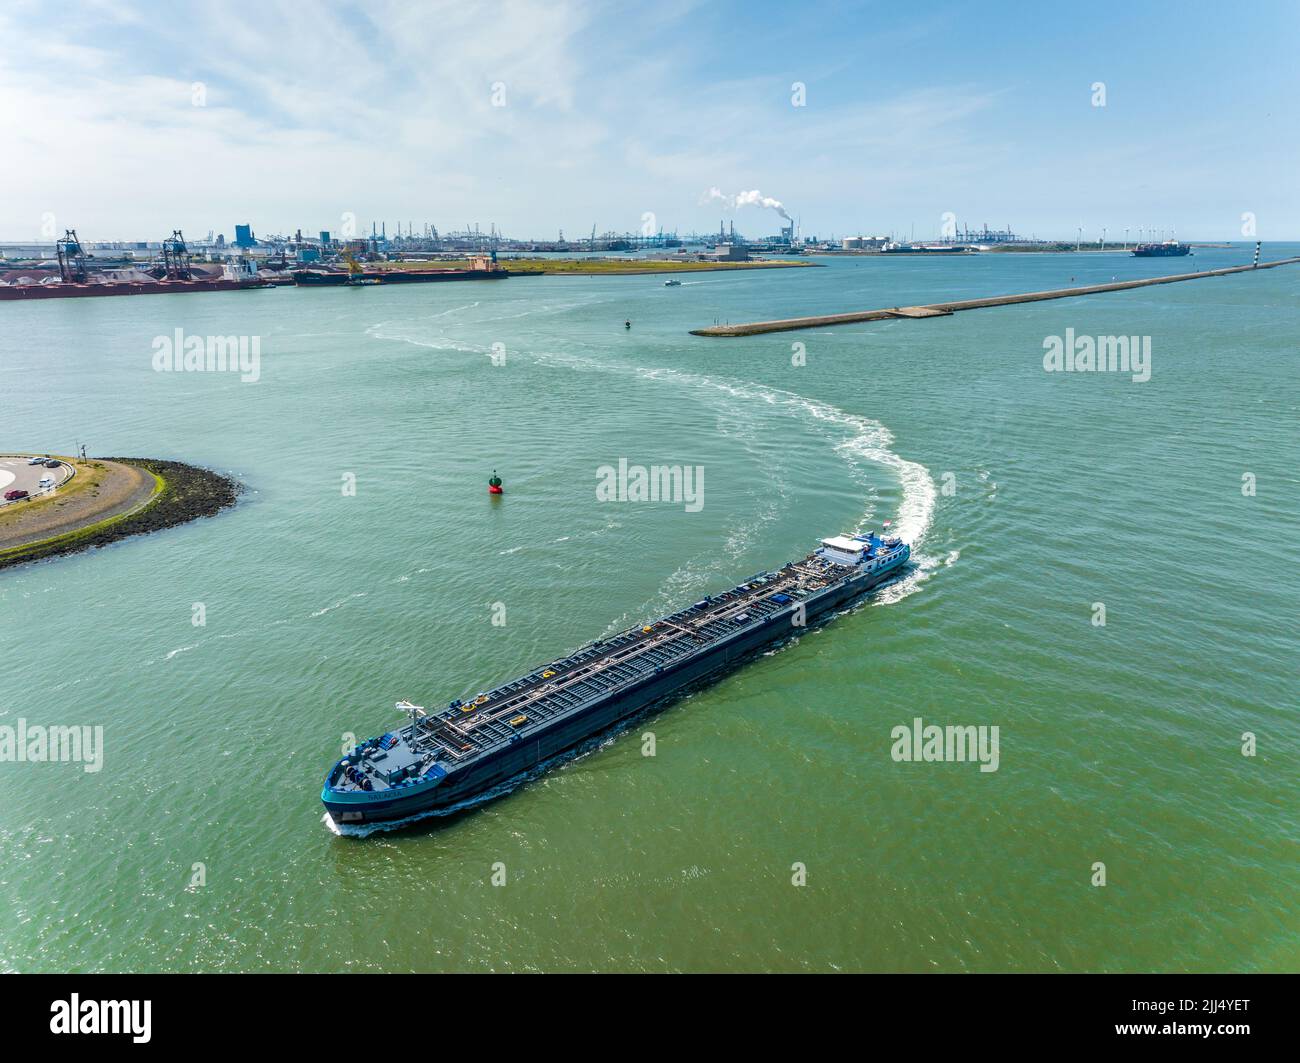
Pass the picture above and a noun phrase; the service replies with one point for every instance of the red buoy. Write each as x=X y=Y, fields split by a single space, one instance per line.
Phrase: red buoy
x=494 y=484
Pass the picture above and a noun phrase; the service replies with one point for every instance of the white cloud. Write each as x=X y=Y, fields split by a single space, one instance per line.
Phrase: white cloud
x=385 y=110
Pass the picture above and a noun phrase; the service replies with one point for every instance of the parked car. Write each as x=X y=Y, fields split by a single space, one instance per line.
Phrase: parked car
x=46 y=481
x=53 y=463
x=35 y=461
x=15 y=495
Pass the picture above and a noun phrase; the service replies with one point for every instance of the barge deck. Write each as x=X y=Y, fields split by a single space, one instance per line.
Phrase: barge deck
x=445 y=756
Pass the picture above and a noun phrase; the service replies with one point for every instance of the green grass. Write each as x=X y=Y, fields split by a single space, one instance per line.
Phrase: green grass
x=62 y=541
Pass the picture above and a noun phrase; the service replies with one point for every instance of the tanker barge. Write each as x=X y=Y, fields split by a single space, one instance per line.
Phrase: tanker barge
x=449 y=756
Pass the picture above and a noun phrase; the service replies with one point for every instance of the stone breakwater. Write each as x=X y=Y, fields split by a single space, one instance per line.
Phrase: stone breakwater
x=790 y=324
x=174 y=493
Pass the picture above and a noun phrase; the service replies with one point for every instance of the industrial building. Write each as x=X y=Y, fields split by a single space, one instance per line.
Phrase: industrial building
x=863 y=243
x=729 y=253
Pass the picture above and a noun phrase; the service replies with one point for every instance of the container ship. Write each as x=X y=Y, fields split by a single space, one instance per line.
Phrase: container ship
x=1168 y=249
x=443 y=759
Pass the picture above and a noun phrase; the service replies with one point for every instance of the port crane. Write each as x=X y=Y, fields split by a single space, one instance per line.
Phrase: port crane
x=176 y=258
x=72 y=259
x=349 y=260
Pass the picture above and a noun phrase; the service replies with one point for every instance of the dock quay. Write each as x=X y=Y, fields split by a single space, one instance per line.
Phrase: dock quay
x=791 y=324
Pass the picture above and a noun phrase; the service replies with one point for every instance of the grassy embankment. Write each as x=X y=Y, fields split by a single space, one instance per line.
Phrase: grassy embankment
x=180 y=493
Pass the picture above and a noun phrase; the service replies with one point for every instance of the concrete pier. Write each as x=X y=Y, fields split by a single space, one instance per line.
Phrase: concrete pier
x=790 y=324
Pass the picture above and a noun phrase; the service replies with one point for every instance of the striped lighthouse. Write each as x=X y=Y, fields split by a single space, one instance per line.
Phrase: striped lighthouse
x=1256 y=262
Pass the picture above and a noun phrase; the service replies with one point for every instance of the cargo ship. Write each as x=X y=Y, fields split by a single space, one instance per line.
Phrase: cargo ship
x=424 y=276
x=924 y=249
x=175 y=275
x=481 y=267
x=1168 y=249
x=342 y=278
x=329 y=278
x=446 y=759
x=53 y=289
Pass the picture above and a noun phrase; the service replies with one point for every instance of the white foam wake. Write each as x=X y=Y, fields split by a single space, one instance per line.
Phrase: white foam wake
x=864 y=441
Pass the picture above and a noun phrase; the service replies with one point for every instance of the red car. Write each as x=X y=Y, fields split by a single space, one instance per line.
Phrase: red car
x=14 y=495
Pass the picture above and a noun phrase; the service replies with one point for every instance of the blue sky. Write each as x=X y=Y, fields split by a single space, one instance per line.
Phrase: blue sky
x=126 y=120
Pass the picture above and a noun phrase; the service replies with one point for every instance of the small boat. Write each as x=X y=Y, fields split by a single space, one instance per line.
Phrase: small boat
x=672 y=284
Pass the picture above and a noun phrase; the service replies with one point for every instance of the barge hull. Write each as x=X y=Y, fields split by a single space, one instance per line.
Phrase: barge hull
x=710 y=661
x=84 y=291
x=323 y=279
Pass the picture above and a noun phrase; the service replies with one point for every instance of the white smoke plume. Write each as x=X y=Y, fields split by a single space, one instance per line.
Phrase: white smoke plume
x=754 y=198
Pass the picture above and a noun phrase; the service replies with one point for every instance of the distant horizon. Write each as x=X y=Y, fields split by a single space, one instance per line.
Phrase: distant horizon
x=579 y=243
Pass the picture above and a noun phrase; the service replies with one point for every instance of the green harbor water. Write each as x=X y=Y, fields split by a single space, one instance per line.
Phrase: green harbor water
x=1029 y=497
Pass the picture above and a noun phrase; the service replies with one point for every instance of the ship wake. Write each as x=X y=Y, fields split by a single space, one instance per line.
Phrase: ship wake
x=859 y=441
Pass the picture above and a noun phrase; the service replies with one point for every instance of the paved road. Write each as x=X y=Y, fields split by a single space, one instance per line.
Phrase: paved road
x=112 y=490
x=16 y=473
